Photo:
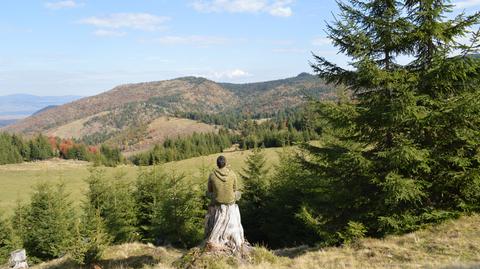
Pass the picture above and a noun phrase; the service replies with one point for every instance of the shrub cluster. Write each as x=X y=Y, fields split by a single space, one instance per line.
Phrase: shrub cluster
x=159 y=208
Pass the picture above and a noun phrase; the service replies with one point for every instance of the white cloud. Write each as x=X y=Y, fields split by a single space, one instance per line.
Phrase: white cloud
x=109 y=33
x=231 y=74
x=321 y=41
x=279 y=8
x=137 y=21
x=62 y=4
x=236 y=73
x=196 y=40
x=466 y=3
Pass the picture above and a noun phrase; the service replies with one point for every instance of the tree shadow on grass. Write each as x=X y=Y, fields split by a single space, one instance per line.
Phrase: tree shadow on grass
x=133 y=262
x=293 y=252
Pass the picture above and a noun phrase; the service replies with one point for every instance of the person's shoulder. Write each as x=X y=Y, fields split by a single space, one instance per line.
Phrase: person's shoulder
x=231 y=171
x=212 y=172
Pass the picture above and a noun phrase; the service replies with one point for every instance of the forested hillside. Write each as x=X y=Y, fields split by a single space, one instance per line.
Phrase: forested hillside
x=131 y=104
x=135 y=117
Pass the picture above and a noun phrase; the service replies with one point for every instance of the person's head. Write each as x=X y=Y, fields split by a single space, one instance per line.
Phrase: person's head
x=221 y=161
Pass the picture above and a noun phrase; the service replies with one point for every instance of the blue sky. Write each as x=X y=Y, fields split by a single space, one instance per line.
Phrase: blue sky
x=84 y=47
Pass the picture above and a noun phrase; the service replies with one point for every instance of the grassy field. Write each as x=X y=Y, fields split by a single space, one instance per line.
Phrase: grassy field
x=16 y=180
x=453 y=244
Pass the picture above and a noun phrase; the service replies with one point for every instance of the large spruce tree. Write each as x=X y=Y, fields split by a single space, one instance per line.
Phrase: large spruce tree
x=405 y=150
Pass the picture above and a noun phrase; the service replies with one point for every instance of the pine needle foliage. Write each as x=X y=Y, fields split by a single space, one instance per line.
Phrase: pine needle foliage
x=169 y=208
x=113 y=199
x=255 y=196
x=179 y=217
x=148 y=194
x=91 y=237
x=405 y=150
x=45 y=225
x=7 y=242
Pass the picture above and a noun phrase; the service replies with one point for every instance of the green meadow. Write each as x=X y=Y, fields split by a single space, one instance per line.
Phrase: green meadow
x=17 y=180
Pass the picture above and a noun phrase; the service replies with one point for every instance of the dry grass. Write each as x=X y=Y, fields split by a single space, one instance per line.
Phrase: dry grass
x=453 y=244
x=75 y=129
x=126 y=256
x=168 y=127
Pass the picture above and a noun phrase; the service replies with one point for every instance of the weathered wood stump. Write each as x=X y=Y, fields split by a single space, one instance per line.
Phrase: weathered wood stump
x=224 y=239
x=224 y=231
x=18 y=259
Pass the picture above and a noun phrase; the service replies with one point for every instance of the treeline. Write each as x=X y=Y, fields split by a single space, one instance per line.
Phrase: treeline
x=229 y=120
x=16 y=149
x=234 y=119
x=282 y=130
x=198 y=144
x=158 y=208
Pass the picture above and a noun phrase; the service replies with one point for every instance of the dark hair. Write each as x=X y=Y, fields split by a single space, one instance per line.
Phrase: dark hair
x=221 y=161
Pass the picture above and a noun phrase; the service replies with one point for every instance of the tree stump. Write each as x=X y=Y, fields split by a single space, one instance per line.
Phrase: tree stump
x=224 y=231
x=18 y=259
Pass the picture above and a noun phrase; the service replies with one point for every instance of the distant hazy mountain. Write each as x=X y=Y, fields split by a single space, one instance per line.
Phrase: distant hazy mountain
x=7 y=122
x=22 y=105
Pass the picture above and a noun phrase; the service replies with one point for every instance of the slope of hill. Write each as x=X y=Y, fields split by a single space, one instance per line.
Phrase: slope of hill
x=44 y=109
x=453 y=244
x=128 y=111
x=165 y=127
x=139 y=99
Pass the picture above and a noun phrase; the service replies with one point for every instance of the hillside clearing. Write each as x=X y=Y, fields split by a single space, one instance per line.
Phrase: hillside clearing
x=75 y=129
x=168 y=127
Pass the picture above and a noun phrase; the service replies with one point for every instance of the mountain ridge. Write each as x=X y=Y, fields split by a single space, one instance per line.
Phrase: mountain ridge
x=128 y=110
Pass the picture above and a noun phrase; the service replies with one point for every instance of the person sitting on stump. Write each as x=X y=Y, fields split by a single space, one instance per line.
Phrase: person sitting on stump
x=223 y=227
